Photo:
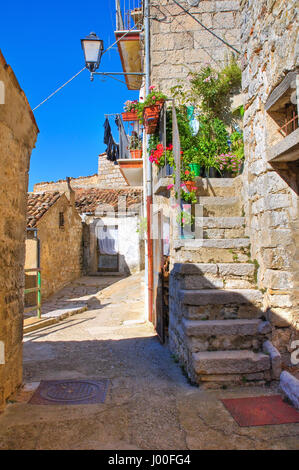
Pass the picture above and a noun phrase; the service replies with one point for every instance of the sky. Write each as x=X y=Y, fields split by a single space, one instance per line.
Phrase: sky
x=41 y=42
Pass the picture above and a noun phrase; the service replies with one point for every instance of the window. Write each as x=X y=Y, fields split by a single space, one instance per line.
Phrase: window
x=61 y=220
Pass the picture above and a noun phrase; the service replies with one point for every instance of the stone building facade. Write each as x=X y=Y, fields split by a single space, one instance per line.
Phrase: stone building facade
x=233 y=292
x=97 y=200
x=269 y=37
x=179 y=44
x=118 y=212
x=18 y=134
x=59 y=229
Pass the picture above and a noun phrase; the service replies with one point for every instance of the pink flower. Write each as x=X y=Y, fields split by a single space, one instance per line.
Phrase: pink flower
x=151 y=87
x=183 y=221
x=170 y=186
x=154 y=97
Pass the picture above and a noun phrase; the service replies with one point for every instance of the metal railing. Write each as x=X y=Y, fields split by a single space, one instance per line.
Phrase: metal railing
x=166 y=170
x=128 y=13
x=37 y=289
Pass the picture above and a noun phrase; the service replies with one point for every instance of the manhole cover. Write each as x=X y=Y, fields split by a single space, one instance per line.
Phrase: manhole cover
x=70 y=392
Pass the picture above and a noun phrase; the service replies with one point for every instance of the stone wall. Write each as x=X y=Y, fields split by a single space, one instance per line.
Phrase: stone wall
x=81 y=182
x=61 y=248
x=269 y=32
x=109 y=176
x=179 y=44
x=18 y=134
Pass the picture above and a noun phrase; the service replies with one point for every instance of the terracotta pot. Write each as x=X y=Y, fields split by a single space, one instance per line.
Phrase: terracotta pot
x=151 y=117
x=189 y=185
x=136 y=153
x=130 y=116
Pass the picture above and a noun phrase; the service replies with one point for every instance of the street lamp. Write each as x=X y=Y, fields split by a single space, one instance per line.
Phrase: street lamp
x=93 y=48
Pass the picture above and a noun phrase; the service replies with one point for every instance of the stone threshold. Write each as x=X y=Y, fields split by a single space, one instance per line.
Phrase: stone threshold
x=50 y=318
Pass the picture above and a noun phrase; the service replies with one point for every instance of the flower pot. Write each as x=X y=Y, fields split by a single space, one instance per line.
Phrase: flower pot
x=195 y=167
x=189 y=185
x=130 y=115
x=211 y=173
x=151 y=117
x=136 y=153
x=228 y=174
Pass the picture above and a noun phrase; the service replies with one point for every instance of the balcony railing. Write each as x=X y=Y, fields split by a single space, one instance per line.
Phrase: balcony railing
x=128 y=13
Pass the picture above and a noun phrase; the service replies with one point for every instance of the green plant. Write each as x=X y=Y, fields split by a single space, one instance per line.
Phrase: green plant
x=161 y=155
x=237 y=144
x=135 y=142
x=142 y=226
x=131 y=106
x=184 y=219
x=152 y=99
x=229 y=162
x=213 y=88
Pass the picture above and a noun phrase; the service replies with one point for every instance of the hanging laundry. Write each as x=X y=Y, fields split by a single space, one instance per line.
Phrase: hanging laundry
x=112 y=149
x=124 y=151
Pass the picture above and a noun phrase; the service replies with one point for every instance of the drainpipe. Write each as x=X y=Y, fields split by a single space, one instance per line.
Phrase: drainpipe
x=149 y=196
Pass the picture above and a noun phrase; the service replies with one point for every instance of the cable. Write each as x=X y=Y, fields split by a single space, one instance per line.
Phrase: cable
x=66 y=83
x=207 y=29
x=60 y=88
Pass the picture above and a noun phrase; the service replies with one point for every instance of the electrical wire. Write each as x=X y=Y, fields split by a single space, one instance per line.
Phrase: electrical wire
x=60 y=88
x=207 y=29
x=66 y=83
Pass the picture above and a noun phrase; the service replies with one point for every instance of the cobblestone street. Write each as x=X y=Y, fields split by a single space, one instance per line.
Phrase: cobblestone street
x=149 y=403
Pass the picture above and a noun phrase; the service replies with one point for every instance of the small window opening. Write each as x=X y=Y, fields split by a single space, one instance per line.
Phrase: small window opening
x=291 y=120
x=61 y=219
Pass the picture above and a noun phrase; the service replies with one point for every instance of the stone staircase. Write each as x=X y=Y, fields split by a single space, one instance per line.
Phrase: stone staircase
x=217 y=327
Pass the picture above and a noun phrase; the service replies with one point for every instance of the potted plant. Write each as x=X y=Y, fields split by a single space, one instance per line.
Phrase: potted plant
x=185 y=219
x=195 y=160
x=187 y=179
x=229 y=164
x=135 y=145
x=131 y=109
x=150 y=110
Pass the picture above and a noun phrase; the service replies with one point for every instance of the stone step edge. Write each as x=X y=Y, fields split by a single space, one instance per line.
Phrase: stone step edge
x=230 y=362
x=238 y=327
x=217 y=243
x=219 y=296
x=217 y=269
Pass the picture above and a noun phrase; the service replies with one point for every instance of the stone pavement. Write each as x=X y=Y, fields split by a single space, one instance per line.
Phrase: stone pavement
x=149 y=404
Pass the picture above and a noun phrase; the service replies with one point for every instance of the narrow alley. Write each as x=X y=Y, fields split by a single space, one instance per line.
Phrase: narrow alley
x=149 y=402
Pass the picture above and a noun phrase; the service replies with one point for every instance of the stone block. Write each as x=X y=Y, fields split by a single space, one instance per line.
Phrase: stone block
x=275 y=358
x=278 y=279
x=221 y=327
x=290 y=386
x=230 y=362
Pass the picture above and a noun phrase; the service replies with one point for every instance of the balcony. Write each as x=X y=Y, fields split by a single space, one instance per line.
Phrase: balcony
x=129 y=47
x=282 y=121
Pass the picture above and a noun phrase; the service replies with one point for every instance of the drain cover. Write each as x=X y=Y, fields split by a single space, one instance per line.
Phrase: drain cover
x=70 y=392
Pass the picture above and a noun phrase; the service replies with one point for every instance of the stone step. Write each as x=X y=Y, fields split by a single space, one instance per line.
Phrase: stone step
x=223 y=187
x=220 y=206
x=215 y=275
x=225 y=327
x=230 y=362
x=213 y=250
x=220 y=297
x=221 y=227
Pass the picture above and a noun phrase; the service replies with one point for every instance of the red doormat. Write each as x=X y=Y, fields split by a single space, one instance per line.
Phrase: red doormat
x=260 y=411
x=70 y=392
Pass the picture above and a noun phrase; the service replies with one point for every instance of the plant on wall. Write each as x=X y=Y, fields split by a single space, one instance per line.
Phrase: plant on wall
x=213 y=88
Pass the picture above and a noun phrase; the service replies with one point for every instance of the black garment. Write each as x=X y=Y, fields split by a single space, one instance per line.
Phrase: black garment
x=112 y=149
